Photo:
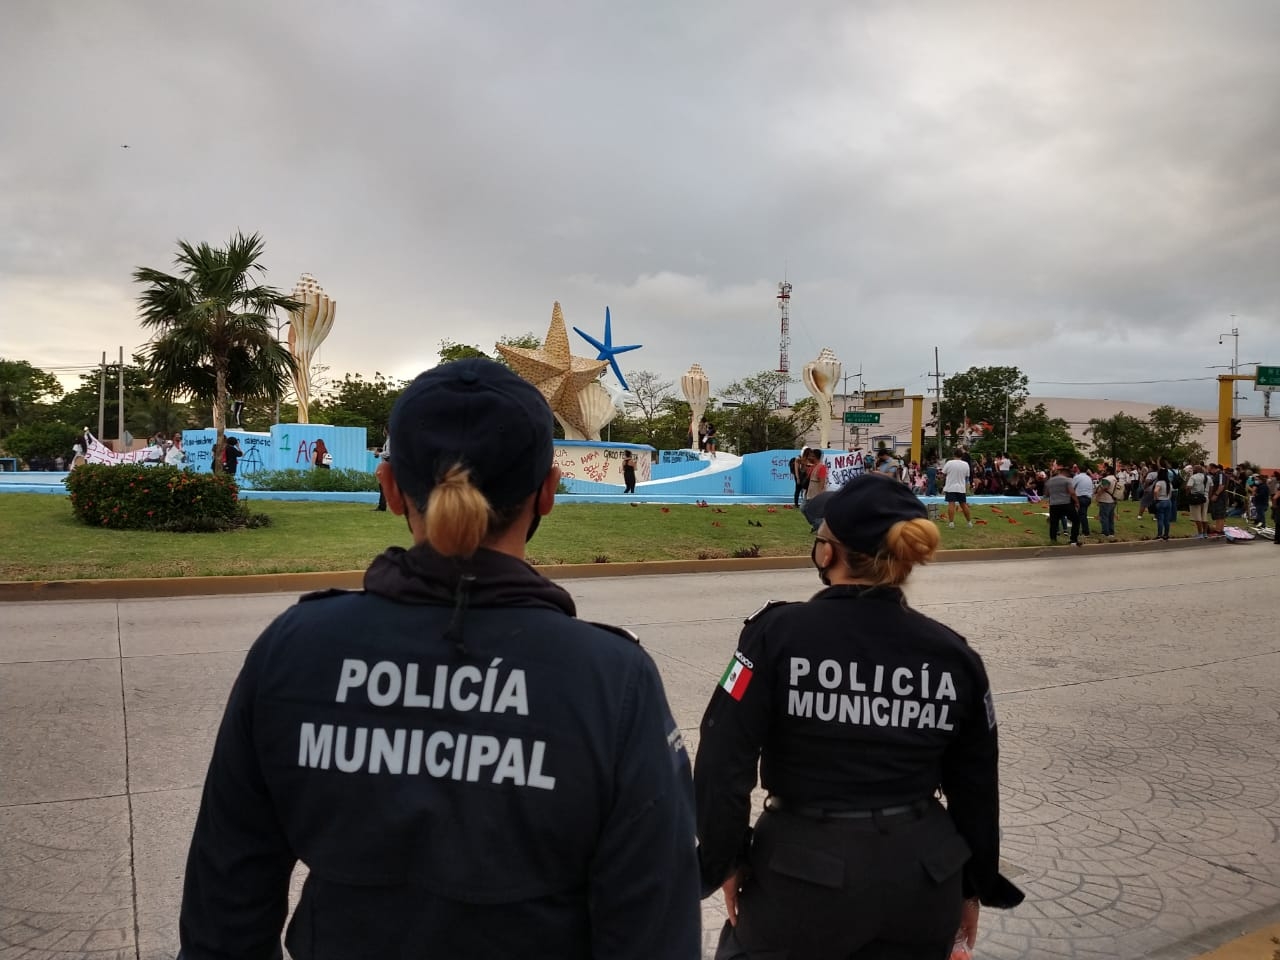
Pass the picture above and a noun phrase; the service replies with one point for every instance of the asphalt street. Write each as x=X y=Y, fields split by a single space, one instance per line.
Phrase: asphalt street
x=1138 y=699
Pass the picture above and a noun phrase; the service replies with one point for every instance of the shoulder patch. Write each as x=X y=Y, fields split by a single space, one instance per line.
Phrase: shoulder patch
x=619 y=631
x=766 y=608
x=324 y=594
x=990 y=704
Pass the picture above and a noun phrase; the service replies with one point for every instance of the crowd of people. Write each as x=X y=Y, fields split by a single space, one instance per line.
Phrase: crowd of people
x=1208 y=493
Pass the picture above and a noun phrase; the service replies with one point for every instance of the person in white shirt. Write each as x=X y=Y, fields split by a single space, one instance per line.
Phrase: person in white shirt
x=955 y=488
x=1082 y=484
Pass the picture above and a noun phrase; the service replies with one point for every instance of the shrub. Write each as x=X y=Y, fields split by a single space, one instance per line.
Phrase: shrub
x=316 y=481
x=743 y=553
x=134 y=497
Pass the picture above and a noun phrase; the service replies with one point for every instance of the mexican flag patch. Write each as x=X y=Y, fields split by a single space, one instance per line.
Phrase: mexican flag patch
x=736 y=676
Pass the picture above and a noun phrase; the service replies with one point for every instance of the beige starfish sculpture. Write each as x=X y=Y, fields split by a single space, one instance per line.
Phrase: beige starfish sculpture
x=557 y=374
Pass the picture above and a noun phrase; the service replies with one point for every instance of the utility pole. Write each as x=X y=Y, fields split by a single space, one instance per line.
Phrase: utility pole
x=121 y=434
x=937 y=392
x=1235 y=368
x=102 y=397
x=844 y=426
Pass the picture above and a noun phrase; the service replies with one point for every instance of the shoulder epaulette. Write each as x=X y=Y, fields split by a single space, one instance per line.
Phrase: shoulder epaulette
x=323 y=594
x=620 y=631
x=766 y=608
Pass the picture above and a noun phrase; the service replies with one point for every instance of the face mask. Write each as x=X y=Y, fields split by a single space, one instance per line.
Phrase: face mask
x=822 y=571
x=533 y=527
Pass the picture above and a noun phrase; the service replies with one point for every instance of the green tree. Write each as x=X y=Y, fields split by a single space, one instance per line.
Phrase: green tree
x=648 y=402
x=749 y=420
x=146 y=410
x=1036 y=438
x=450 y=351
x=47 y=439
x=983 y=394
x=25 y=393
x=214 y=328
x=1172 y=432
x=357 y=402
x=1120 y=437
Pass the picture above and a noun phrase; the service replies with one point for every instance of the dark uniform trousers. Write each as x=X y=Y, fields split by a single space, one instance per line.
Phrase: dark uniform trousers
x=879 y=888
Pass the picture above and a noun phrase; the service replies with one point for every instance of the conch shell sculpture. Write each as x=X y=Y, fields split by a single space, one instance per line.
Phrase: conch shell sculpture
x=697 y=390
x=308 y=327
x=820 y=377
x=597 y=408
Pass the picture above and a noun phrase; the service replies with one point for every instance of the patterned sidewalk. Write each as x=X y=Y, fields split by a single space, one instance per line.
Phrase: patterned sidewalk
x=1138 y=698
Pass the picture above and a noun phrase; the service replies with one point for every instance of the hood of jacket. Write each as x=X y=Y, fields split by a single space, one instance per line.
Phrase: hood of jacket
x=491 y=579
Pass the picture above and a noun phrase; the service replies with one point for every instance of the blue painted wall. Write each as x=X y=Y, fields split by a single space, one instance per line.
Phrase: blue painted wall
x=289 y=446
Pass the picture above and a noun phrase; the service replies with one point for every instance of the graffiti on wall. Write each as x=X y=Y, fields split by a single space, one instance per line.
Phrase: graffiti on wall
x=600 y=464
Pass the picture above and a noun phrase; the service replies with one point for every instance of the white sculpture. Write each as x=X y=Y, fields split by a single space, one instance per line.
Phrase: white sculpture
x=308 y=327
x=697 y=391
x=598 y=411
x=820 y=378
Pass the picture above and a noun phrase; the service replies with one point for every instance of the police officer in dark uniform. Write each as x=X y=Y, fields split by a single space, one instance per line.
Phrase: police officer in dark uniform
x=465 y=768
x=857 y=710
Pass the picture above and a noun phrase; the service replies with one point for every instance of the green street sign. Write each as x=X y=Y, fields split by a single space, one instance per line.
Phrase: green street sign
x=859 y=416
x=1267 y=378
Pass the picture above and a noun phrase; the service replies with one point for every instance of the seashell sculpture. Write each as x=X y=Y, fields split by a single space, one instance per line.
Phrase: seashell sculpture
x=308 y=327
x=820 y=378
x=697 y=391
x=598 y=410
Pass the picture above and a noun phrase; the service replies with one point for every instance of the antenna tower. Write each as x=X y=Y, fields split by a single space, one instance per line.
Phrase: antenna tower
x=784 y=339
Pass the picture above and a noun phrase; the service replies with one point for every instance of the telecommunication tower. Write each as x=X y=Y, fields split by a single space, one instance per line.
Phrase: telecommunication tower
x=784 y=340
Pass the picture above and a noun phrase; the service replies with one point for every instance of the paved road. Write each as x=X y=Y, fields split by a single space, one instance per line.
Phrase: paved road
x=1138 y=697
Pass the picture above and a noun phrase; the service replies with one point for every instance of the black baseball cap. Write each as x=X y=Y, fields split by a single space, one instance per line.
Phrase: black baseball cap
x=861 y=512
x=478 y=413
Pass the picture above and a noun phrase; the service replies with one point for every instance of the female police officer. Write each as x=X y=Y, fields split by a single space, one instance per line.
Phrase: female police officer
x=856 y=709
x=466 y=769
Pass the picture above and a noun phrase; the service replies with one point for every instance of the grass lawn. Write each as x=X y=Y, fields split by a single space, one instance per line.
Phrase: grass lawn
x=40 y=540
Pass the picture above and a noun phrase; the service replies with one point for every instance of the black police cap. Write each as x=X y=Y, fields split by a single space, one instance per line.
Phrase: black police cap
x=478 y=413
x=861 y=512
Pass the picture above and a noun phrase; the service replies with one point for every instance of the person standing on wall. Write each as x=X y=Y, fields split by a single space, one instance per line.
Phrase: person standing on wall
x=629 y=472
x=466 y=768
x=853 y=856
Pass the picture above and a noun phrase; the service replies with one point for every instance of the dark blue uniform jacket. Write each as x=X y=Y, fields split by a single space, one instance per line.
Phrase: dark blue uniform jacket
x=852 y=701
x=465 y=772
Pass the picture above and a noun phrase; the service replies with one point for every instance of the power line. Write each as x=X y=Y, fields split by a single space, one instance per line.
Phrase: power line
x=1114 y=383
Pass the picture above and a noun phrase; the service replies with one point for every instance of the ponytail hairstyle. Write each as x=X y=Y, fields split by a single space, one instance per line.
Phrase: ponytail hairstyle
x=459 y=518
x=907 y=543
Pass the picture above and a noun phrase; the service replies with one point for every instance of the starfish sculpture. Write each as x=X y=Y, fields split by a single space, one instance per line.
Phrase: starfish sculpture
x=607 y=350
x=558 y=375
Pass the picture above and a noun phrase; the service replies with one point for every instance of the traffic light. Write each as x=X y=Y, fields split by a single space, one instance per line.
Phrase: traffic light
x=1235 y=428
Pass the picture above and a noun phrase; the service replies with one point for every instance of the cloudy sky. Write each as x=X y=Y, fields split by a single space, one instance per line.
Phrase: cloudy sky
x=1088 y=191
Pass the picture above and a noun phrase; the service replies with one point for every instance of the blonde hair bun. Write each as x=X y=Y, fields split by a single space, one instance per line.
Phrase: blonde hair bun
x=912 y=541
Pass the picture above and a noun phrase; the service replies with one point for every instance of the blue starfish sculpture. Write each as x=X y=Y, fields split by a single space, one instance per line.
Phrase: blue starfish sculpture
x=607 y=350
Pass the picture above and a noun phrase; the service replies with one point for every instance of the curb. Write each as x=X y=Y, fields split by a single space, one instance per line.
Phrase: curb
x=16 y=591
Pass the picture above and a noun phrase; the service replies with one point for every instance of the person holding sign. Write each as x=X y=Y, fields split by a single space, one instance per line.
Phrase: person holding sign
x=467 y=770
x=856 y=710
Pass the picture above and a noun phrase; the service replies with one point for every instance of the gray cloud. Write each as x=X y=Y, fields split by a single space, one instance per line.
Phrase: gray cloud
x=1088 y=191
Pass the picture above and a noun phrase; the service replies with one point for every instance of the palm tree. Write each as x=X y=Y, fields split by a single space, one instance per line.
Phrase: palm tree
x=214 y=329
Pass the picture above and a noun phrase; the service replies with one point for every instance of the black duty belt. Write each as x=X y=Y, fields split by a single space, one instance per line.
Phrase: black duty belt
x=778 y=805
